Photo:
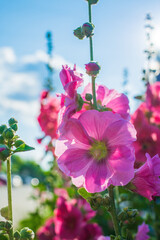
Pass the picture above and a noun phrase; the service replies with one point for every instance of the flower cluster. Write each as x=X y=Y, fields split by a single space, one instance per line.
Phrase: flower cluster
x=70 y=221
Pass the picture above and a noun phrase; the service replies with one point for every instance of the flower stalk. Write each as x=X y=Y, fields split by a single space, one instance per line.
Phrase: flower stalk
x=91 y=57
x=113 y=213
x=9 y=189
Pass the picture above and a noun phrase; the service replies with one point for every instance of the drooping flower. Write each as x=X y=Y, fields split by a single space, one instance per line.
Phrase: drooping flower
x=90 y=231
x=146 y=181
x=68 y=219
x=71 y=80
x=109 y=99
x=48 y=117
x=97 y=149
x=143 y=229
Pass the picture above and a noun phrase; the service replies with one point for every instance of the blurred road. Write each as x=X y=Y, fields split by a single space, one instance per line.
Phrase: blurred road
x=22 y=204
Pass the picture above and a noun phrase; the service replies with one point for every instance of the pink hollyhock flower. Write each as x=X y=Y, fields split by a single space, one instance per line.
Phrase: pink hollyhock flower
x=97 y=149
x=108 y=98
x=68 y=219
x=86 y=209
x=153 y=96
x=143 y=229
x=90 y=231
x=148 y=137
x=146 y=181
x=71 y=80
x=48 y=117
x=47 y=231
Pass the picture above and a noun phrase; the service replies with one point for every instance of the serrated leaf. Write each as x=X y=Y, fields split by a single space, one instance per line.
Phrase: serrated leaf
x=4 y=212
x=84 y=193
x=23 y=148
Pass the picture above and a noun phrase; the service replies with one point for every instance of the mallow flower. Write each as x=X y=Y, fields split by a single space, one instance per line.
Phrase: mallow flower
x=96 y=150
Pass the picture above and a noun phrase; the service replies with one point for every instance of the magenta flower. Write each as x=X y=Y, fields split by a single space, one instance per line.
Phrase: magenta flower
x=143 y=229
x=71 y=80
x=153 y=96
x=103 y=238
x=68 y=219
x=90 y=231
x=46 y=232
x=146 y=181
x=48 y=117
x=108 y=98
x=97 y=150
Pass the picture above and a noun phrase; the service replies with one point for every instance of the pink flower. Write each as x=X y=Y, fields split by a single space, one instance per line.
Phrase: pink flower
x=146 y=181
x=86 y=209
x=108 y=98
x=97 y=150
x=68 y=219
x=47 y=231
x=48 y=117
x=90 y=231
x=71 y=80
x=148 y=137
x=103 y=238
x=143 y=229
x=153 y=96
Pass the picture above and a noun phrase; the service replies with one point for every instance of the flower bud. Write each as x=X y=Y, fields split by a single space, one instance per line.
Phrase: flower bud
x=2 y=128
x=26 y=234
x=92 y=68
x=12 y=121
x=14 y=127
x=8 y=225
x=8 y=134
x=4 y=152
x=78 y=33
x=88 y=97
x=79 y=102
x=17 y=235
x=92 y=1
x=87 y=29
x=18 y=143
x=2 y=225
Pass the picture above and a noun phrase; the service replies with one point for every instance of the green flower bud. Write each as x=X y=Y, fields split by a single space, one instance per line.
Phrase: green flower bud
x=8 y=134
x=2 y=225
x=4 y=152
x=88 y=97
x=26 y=234
x=80 y=102
x=2 y=128
x=78 y=33
x=92 y=1
x=4 y=212
x=8 y=225
x=87 y=29
x=14 y=127
x=1 y=140
x=106 y=201
x=12 y=121
x=17 y=235
x=18 y=143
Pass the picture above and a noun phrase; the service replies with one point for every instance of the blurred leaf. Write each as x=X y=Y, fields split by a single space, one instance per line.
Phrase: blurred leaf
x=84 y=193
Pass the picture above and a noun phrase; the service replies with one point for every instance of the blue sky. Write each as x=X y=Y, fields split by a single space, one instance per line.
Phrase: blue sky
x=119 y=42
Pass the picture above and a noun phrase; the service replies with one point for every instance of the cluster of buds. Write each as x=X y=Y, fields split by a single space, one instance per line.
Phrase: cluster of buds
x=128 y=215
x=9 y=141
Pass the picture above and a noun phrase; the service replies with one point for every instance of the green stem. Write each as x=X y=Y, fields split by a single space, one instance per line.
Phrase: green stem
x=9 y=188
x=91 y=57
x=113 y=212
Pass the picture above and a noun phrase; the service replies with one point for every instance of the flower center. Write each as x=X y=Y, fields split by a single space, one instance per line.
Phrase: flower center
x=98 y=150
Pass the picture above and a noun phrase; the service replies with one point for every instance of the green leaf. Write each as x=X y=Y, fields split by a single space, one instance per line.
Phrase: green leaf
x=23 y=148
x=84 y=193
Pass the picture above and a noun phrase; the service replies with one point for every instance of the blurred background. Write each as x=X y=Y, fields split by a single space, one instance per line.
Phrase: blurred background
x=121 y=29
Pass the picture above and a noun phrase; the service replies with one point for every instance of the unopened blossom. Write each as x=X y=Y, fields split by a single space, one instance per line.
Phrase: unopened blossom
x=97 y=150
x=142 y=233
x=48 y=117
x=68 y=219
x=108 y=99
x=92 y=68
x=146 y=181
